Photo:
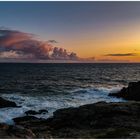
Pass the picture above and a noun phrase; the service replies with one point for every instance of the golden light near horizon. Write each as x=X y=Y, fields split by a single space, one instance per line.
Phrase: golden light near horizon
x=107 y=31
x=120 y=39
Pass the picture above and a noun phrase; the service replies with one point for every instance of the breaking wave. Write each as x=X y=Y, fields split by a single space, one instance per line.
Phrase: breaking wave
x=75 y=98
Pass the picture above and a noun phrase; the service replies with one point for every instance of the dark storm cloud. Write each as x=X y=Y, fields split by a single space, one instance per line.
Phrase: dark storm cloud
x=16 y=44
x=122 y=54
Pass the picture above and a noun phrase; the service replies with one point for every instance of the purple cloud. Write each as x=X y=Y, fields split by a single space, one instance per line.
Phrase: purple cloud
x=16 y=44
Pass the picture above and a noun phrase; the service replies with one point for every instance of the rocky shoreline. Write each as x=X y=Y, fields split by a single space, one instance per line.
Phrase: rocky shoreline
x=98 y=120
x=132 y=92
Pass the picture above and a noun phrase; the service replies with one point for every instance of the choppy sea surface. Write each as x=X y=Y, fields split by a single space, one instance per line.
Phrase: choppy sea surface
x=55 y=86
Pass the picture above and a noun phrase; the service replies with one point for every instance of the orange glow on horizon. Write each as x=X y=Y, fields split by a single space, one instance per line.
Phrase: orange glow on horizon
x=120 y=39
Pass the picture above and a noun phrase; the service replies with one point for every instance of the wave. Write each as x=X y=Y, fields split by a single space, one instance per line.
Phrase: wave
x=75 y=98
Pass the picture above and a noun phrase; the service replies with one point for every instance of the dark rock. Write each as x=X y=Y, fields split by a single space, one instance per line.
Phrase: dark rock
x=24 y=119
x=43 y=111
x=96 y=121
x=29 y=122
x=93 y=114
x=3 y=131
x=36 y=125
x=99 y=120
x=6 y=103
x=9 y=131
x=3 y=126
x=32 y=112
x=20 y=132
x=132 y=92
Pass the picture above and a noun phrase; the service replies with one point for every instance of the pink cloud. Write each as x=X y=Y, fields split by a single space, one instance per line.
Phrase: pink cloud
x=16 y=44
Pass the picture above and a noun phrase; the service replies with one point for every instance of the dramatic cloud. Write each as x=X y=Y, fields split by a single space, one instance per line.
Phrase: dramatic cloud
x=119 y=54
x=16 y=44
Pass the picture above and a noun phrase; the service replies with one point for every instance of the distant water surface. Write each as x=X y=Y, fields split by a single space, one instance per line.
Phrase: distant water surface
x=54 y=86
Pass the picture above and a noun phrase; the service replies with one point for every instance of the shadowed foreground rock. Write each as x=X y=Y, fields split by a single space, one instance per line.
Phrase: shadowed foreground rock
x=6 y=103
x=100 y=120
x=132 y=92
x=9 y=131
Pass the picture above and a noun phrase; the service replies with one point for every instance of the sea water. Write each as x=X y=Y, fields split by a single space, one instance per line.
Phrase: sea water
x=55 y=86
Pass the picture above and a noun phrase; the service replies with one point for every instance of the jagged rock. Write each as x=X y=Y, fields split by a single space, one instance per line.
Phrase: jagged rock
x=6 y=103
x=132 y=92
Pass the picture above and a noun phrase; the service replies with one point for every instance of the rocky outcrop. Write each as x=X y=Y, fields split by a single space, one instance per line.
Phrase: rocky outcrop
x=99 y=120
x=20 y=132
x=6 y=103
x=10 y=131
x=37 y=125
x=24 y=119
x=132 y=92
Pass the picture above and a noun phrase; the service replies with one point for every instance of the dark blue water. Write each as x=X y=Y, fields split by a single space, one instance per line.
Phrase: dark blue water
x=54 y=86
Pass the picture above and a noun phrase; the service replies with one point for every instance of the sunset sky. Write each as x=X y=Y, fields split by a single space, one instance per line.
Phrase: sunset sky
x=95 y=31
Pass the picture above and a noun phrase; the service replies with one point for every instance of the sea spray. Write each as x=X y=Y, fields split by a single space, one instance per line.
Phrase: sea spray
x=75 y=98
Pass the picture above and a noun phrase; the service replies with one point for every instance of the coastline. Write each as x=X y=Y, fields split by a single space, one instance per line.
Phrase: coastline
x=98 y=120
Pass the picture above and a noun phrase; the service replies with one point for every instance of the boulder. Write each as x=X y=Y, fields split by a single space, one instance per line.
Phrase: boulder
x=6 y=103
x=132 y=92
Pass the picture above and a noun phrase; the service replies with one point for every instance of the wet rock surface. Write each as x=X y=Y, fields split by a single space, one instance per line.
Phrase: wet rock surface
x=6 y=103
x=99 y=120
x=132 y=92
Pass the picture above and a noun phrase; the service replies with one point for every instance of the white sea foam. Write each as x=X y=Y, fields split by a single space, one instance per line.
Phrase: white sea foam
x=75 y=98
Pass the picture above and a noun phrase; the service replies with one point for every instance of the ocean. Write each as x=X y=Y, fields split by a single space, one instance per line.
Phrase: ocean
x=55 y=86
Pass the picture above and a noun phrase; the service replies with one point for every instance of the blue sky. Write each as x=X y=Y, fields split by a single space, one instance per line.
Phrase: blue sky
x=69 y=22
x=53 y=18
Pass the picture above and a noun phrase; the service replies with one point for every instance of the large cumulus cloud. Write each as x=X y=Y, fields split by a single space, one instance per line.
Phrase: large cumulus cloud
x=16 y=44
